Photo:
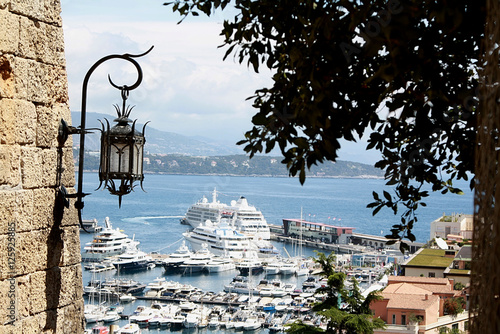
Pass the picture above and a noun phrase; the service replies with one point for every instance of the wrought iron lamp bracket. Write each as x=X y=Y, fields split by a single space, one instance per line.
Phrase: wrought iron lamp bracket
x=65 y=130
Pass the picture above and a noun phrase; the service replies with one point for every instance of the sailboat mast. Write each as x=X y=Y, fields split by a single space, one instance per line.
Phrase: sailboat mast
x=300 y=239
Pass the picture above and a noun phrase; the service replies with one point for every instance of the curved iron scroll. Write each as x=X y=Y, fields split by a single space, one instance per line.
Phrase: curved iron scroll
x=128 y=57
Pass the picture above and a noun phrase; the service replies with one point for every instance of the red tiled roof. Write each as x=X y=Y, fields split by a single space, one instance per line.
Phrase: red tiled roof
x=410 y=301
x=407 y=289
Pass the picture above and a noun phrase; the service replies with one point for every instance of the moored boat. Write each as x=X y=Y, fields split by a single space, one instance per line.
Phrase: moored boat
x=133 y=259
x=110 y=242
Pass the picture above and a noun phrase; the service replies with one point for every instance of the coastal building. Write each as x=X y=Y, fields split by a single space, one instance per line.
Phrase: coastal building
x=455 y=225
x=380 y=242
x=428 y=262
x=460 y=268
x=323 y=232
x=417 y=305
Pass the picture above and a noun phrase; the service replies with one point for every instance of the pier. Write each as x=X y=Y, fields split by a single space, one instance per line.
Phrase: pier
x=197 y=301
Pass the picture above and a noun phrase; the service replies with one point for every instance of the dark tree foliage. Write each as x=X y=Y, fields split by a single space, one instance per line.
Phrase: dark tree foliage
x=404 y=73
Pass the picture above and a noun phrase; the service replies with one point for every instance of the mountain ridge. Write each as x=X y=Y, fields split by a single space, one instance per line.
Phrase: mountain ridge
x=172 y=153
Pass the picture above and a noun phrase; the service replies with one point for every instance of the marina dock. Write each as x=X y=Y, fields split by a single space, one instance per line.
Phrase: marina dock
x=197 y=301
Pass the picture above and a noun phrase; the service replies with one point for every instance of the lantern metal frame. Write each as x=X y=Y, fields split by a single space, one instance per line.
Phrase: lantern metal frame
x=128 y=145
x=108 y=136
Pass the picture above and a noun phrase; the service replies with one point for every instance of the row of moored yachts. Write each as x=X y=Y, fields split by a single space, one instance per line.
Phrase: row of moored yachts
x=251 y=312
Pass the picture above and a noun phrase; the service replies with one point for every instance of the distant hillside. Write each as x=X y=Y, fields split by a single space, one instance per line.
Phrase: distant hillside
x=171 y=153
x=239 y=165
x=157 y=142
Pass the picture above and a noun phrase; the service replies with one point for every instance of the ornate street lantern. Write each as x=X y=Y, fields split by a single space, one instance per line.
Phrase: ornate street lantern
x=122 y=146
x=122 y=149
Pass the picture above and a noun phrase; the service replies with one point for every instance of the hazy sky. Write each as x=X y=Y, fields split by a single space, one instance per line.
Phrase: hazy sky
x=187 y=88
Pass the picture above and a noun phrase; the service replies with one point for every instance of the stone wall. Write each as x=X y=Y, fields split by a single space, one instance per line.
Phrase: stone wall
x=40 y=273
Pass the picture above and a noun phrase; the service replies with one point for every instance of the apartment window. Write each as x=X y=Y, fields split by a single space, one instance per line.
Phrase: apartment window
x=403 y=319
x=432 y=274
x=393 y=319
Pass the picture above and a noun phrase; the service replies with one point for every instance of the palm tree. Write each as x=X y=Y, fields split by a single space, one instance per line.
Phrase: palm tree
x=345 y=310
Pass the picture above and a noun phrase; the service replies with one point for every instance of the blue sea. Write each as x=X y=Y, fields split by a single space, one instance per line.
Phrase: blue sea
x=152 y=217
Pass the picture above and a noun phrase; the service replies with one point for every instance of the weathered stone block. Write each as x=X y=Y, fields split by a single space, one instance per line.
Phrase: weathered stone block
x=39 y=167
x=20 y=77
x=7 y=121
x=32 y=325
x=38 y=82
x=25 y=122
x=18 y=122
x=9 y=26
x=50 y=165
x=34 y=250
x=7 y=212
x=70 y=289
x=38 y=300
x=41 y=41
x=70 y=216
x=44 y=10
x=47 y=127
x=24 y=210
x=43 y=208
x=49 y=120
x=68 y=174
x=71 y=319
x=10 y=165
x=55 y=288
x=31 y=167
x=61 y=287
x=71 y=251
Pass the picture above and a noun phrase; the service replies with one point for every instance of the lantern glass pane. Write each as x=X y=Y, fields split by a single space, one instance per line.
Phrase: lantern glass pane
x=119 y=158
x=137 y=164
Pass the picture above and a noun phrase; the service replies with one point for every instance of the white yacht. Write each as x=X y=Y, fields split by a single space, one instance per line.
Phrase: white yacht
x=90 y=226
x=174 y=260
x=156 y=287
x=250 y=264
x=219 y=264
x=110 y=242
x=288 y=268
x=244 y=217
x=272 y=268
x=222 y=239
x=197 y=260
x=133 y=259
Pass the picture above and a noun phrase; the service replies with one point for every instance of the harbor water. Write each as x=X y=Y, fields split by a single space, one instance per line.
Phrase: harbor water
x=153 y=217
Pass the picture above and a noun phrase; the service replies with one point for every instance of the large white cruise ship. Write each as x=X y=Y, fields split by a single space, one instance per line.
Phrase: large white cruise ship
x=109 y=242
x=248 y=220
x=244 y=217
x=220 y=239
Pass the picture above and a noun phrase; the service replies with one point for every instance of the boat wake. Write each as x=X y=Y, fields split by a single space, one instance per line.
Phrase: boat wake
x=144 y=220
